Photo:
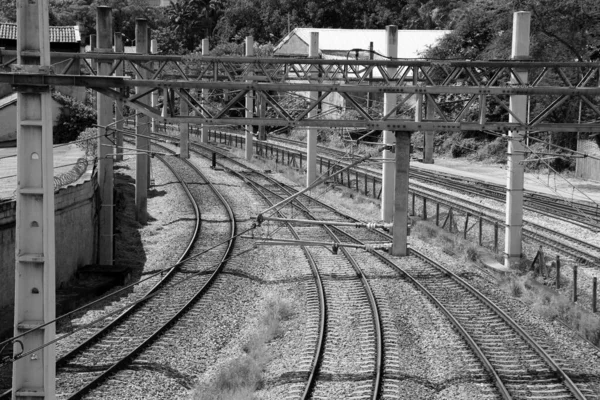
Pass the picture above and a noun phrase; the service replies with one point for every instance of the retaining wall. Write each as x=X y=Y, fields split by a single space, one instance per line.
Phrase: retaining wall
x=76 y=235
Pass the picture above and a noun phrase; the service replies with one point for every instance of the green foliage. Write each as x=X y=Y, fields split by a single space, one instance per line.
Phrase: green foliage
x=8 y=11
x=90 y=146
x=75 y=117
x=125 y=12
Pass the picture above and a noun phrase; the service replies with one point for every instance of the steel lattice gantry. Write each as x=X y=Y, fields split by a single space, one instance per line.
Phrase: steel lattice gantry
x=480 y=88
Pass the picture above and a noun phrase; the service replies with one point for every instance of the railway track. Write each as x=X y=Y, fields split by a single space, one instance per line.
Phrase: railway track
x=528 y=373
x=85 y=367
x=581 y=213
x=582 y=252
x=577 y=250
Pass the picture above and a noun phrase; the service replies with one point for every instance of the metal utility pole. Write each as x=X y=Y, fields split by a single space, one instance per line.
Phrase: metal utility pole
x=142 y=129
x=34 y=376
x=184 y=133
x=205 y=52
x=104 y=35
x=428 y=136
x=400 y=228
x=119 y=123
x=311 y=138
x=518 y=106
x=389 y=102
x=249 y=102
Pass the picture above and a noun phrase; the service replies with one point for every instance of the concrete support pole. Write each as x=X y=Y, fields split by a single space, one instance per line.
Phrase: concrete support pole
x=400 y=228
x=104 y=35
x=514 y=187
x=142 y=128
x=34 y=376
x=184 y=133
x=249 y=103
x=311 y=138
x=154 y=96
x=205 y=128
x=389 y=102
x=428 y=136
x=119 y=123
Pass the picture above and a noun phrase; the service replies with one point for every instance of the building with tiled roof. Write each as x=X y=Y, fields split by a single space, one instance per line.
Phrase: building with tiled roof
x=58 y=34
x=63 y=39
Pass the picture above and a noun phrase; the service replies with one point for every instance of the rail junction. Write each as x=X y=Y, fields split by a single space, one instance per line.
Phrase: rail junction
x=184 y=83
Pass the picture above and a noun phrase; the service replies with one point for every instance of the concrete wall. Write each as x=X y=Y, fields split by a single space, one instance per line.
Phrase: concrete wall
x=76 y=231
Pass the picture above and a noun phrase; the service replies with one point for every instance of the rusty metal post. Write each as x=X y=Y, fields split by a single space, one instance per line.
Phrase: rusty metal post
x=594 y=294
x=142 y=143
x=574 y=283
x=495 y=237
x=34 y=376
x=400 y=228
x=184 y=132
x=480 y=241
x=104 y=35
x=557 y=272
x=437 y=214
x=428 y=136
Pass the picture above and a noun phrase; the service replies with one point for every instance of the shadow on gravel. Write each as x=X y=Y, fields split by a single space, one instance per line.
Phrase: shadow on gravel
x=156 y=193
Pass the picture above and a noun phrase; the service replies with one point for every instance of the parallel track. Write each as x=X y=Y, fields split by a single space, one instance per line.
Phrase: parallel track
x=493 y=336
x=578 y=250
x=584 y=214
x=112 y=348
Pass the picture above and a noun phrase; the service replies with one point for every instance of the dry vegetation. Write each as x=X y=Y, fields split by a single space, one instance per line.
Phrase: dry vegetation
x=242 y=376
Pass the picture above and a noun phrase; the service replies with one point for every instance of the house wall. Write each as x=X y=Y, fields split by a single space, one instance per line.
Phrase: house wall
x=8 y=120
x=294 y=46
x=587 y=168
x=76 y=231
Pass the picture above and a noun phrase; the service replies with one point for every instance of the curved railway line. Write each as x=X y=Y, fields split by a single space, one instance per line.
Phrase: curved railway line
x=86 y=366
x=490 y=333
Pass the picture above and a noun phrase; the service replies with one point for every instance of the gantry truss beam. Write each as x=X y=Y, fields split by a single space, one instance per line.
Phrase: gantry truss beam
x=462 y=95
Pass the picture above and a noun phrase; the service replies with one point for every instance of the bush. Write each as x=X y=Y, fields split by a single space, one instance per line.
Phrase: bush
x=89 y=146
x=494 y=151
x=75 y=117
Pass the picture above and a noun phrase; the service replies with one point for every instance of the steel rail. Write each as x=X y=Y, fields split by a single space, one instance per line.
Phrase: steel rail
x=371 y=297
x=470 y=341
x=368 y=290
x=124 y=360
x=320 y=347
x=505 y=317
x=563 y=377
x=130 y=310
x=184 y=309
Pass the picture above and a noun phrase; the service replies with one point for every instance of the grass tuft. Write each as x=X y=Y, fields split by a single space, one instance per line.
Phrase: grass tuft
x=242 y=376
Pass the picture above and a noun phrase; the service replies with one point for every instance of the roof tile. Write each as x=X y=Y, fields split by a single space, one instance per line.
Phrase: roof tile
x=58 y=34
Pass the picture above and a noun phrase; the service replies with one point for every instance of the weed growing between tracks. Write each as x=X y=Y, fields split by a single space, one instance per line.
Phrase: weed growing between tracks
x=242 y=376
